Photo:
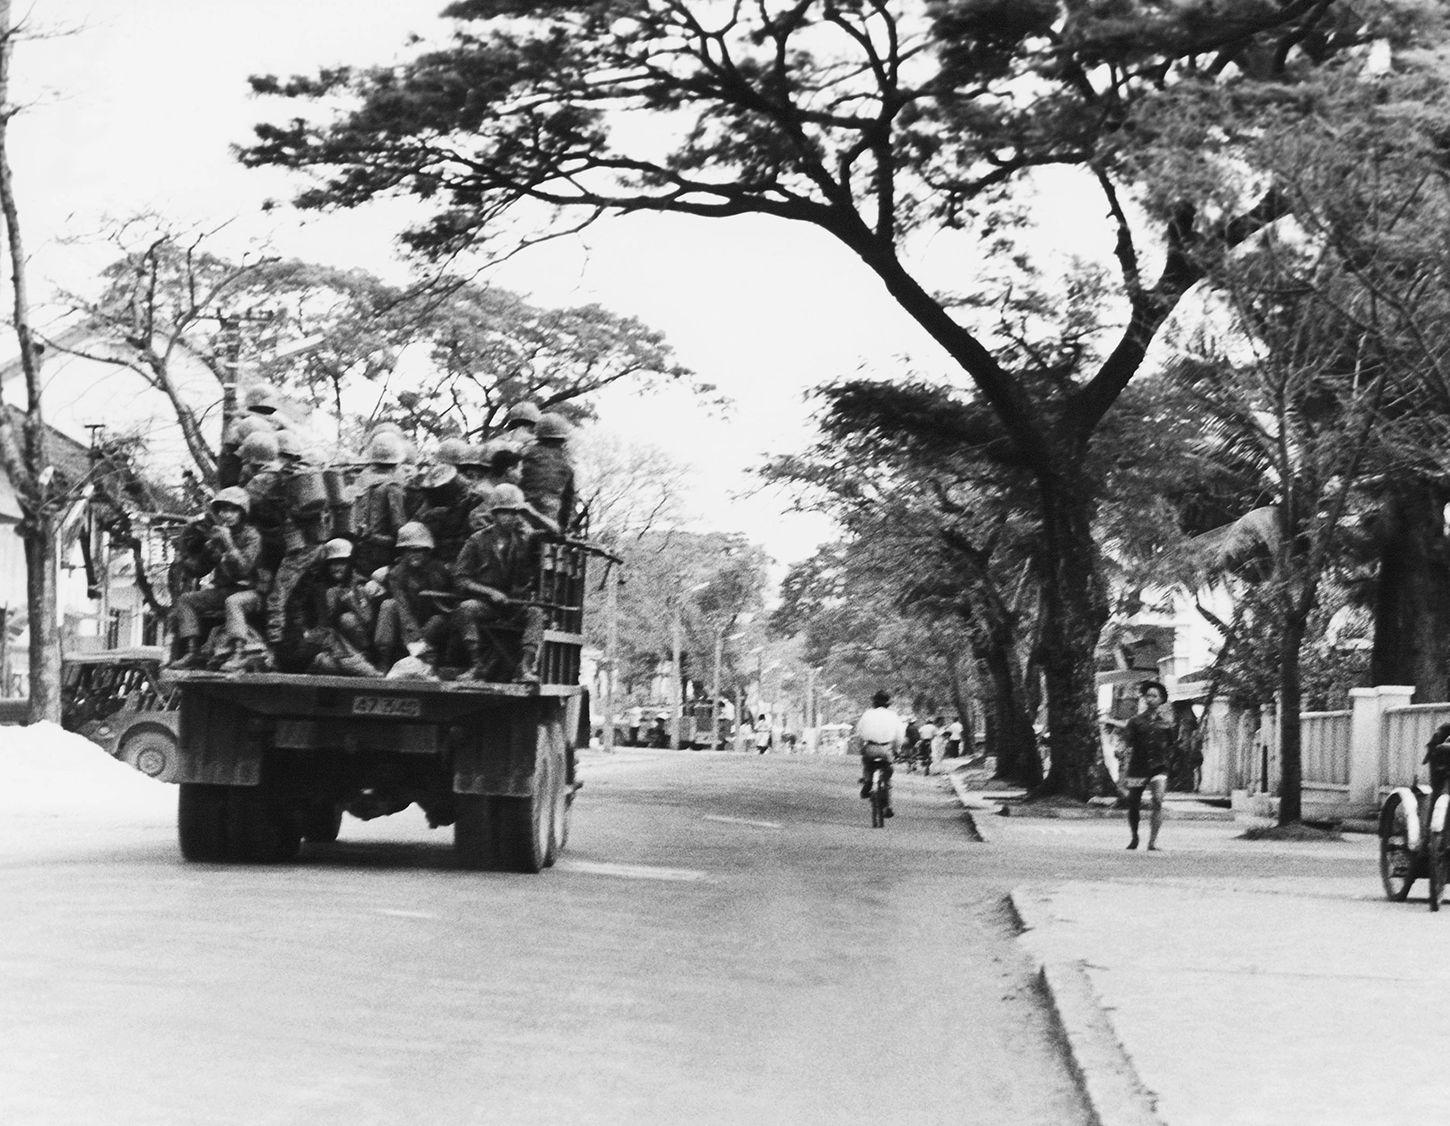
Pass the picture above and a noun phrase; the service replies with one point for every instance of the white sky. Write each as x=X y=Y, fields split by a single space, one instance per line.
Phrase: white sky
x=136 y=108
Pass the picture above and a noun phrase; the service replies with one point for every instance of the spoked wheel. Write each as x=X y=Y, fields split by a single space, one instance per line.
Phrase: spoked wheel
x=1397 y=862
x=1437 y=864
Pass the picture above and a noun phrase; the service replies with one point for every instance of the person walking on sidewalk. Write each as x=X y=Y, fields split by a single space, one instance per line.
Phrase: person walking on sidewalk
x=1149 y=737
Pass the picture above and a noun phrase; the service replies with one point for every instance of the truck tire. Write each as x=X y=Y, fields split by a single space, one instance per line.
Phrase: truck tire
x=321 y=823
x=559 y=803
x=201 y=822
x=473 y=832
x=525 y=829
x=261 y=829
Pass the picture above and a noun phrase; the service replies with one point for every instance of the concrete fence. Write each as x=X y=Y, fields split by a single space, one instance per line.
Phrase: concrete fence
x=1349 y=757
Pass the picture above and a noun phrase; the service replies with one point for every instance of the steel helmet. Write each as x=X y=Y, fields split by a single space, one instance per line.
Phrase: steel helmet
x=522 y=414
x=414 y=534
x=246 y=424
x=234 y=495
x=507 y=496
x=289 y=444
x=552 y=426
x=261 y=446
x=260 y=399
x=333 y=550
x=476 y=456
x=385 y=448
x=451 y=451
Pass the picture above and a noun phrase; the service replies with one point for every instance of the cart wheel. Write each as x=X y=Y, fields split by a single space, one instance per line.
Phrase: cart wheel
x=1397 y=862
x=1437 y=865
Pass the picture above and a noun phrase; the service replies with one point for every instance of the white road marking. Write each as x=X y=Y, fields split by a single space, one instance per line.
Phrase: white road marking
x=742 y=821
x=633 y=871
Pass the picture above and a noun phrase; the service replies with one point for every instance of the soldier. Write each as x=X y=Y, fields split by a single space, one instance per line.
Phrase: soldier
x=474 y=468
x=300 y=525
x=408 y=616
x=380 y=509
x=495 y=573
x=227 y=547
x=329 y=617
x=446 y=500
x=519 y=424
x=546 y=475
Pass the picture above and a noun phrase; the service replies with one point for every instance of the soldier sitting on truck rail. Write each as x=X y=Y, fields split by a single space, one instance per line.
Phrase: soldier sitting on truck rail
x=329 y=617
x=495 y=573
x=408 y=615
x=224 y=545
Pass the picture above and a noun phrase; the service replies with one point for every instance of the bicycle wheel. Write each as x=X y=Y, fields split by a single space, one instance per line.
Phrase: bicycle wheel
x=878 y=803
x=1397 y=862
x=1437 y=864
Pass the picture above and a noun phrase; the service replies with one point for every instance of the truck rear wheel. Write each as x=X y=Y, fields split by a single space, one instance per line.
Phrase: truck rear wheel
x=201 y=821
x=321 y=823
x=525 y=827
x=261 y=829
x=473 y=832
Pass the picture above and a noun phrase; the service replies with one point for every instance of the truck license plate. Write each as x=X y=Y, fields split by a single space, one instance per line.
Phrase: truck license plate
x=386 y=705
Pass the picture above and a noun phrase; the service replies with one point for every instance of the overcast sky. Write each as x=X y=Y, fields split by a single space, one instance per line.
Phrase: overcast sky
x=135 y=107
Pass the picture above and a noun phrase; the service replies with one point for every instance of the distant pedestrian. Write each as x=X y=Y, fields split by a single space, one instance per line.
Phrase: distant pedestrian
x=763 y=737
x=954 y=738
x=1149 y=738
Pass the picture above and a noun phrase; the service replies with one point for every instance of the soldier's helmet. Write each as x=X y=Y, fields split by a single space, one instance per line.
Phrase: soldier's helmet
x=233 y=495
x=290 y=445
x=414 y=534
x=260 y=399
x=333 y=550
x=244 y=425
x=522 y=414
x=260 y=446
x=437 y=476
x=507 y=496
x=451 y=451
x=475 y=456
x=385 y=448
x=552 y=426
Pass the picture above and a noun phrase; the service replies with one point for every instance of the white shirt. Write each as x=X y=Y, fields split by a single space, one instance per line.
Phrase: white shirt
x=879 y=725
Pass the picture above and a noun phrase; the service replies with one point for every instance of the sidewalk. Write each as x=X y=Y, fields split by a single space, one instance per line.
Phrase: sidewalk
x=1249 y=1000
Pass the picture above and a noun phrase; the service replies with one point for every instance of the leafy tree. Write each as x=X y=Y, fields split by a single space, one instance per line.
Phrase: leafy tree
x=869 y=121
x=333 y=338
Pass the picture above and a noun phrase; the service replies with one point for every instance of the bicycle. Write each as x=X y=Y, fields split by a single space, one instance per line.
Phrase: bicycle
x=880 y=797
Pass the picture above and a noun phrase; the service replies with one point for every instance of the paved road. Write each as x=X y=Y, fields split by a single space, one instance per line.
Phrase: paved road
x=725 y=941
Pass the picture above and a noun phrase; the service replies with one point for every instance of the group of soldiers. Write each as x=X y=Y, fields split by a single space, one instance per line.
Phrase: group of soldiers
x=387 y=566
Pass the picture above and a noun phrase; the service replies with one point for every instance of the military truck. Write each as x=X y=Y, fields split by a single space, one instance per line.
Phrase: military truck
x=268 y=760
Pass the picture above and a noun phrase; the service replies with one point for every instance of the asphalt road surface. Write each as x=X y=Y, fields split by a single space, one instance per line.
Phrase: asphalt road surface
x=726 y=941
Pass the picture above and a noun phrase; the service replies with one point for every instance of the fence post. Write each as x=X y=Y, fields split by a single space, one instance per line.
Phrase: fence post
x=1366 y=753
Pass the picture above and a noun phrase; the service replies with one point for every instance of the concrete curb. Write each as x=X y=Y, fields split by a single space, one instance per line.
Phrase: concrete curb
x=1115 y=1094
x=971 y=806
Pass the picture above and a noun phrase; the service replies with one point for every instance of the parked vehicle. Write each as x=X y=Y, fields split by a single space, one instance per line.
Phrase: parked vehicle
x=115 y=698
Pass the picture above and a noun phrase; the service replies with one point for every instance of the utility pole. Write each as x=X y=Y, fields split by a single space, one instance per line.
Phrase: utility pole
x=677 y=692
x=611 y=652
x=715 y=689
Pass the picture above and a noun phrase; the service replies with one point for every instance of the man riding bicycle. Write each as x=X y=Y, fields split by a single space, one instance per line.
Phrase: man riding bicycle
x=878 y=732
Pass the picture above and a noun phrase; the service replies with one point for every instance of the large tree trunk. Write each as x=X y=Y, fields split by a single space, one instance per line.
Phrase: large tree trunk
x=1412 y=596
x=31 y=480
x=1014 y=742
x=40 y=583
x=1291 y=763
x=1075 y=608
